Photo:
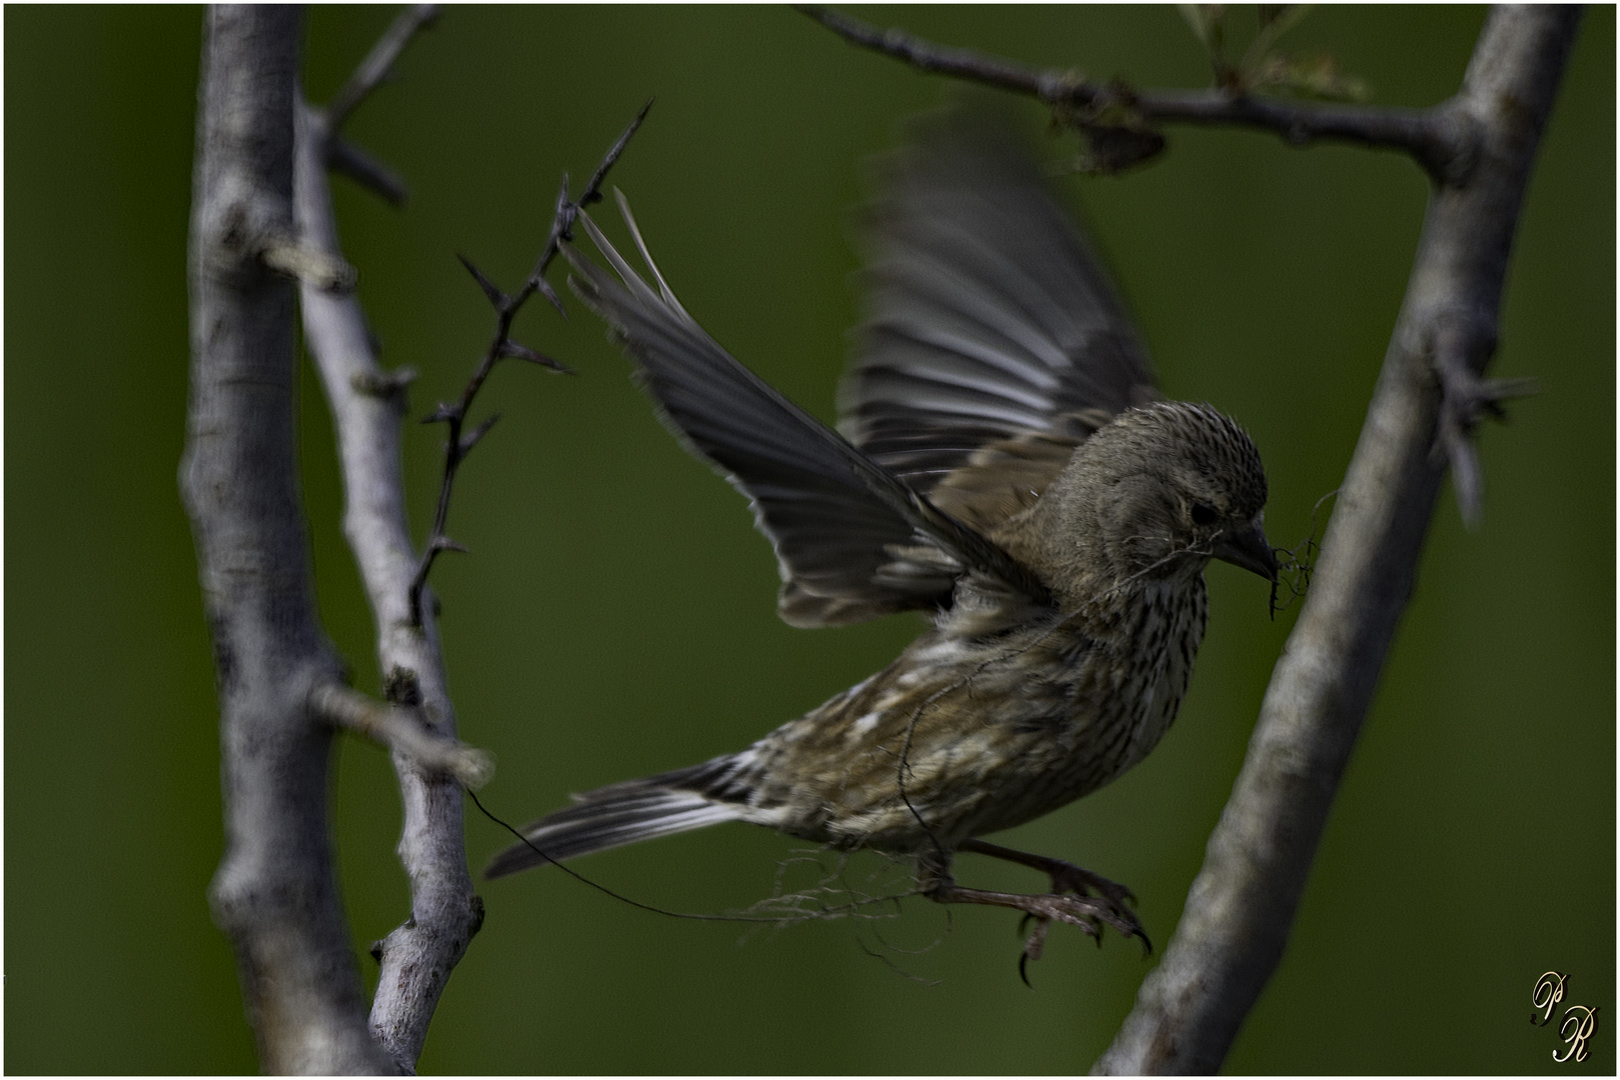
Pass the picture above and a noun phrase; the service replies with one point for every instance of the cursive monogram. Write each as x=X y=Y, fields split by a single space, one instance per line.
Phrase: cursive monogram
x=1583 y=1024
x=1548 y=993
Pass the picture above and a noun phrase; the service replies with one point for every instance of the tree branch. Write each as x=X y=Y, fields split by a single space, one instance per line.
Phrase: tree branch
x=1440 y=140
x=379 y=62
x=1235 y=924
x=368 y=406
x=275 y=892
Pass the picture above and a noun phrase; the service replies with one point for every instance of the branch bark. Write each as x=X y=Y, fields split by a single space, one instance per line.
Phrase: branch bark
x=275 y=892
x=1235 y=924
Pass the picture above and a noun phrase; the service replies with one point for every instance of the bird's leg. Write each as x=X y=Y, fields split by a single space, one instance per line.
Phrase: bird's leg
x=1082 y=909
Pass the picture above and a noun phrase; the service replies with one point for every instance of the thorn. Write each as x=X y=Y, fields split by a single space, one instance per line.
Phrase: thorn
x=444 y=543
x=592 y=194
x=497 y=298
x=544 y=288
x=442 y=413
x=471 y=439
x=564 y=212
x=523 y=352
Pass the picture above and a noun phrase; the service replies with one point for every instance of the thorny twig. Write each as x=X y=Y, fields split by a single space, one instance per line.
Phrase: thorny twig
x=458 y=445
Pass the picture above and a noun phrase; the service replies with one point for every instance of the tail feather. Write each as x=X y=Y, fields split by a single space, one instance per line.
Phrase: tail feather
x=611 y=816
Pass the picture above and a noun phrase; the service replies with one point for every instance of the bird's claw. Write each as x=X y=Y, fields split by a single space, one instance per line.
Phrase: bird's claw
x=1032 y=947
x=1067 y=877
x=1082 y=911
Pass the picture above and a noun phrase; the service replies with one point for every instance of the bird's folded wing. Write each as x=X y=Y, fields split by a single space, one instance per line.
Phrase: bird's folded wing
x=992 y=334
x=851 y=540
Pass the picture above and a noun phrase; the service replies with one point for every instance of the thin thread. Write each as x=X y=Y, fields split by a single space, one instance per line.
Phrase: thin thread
x=830 y=913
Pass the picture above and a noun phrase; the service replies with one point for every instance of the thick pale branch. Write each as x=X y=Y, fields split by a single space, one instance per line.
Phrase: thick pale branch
x=275 y=892
x=1235 y=924
x=1439 y=139
x=367 y=409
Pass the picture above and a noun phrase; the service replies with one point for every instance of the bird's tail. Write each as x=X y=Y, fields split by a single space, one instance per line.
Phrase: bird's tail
x=621 y=813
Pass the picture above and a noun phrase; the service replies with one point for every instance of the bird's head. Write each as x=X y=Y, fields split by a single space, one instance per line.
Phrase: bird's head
x=1155 y=494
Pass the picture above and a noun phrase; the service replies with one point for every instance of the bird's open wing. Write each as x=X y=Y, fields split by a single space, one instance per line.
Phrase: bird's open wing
x=993 y=342
x=852 y=541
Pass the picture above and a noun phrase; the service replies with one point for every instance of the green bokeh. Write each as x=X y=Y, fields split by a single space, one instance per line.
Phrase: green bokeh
x=616 y=615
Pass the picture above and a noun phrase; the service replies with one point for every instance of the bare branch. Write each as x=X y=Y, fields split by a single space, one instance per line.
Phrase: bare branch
x=379 y=62
x=275 y=892
x=342 y=155
x=345 y=157
x=968 y=64
x=1235 y=925
x=1440 y=141
x=404 y=731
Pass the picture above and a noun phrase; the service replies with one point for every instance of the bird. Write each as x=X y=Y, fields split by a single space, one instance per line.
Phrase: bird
x=1005 y=464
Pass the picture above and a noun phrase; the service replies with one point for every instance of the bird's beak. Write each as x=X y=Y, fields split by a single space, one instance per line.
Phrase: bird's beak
x=1249 y=549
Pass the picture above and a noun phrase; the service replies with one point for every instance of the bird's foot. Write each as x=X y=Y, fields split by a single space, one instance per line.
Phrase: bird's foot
x=1067 y=877
x=1102 y=899
x=1089 y=913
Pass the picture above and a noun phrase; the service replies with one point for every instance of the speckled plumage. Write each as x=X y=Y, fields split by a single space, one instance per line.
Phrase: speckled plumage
x=1005 y=467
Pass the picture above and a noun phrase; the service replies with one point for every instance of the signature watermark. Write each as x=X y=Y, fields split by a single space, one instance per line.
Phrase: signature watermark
x=1579 y=1023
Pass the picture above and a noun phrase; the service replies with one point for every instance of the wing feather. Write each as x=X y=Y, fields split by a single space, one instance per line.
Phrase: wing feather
x=992 y=331
x=851 y=540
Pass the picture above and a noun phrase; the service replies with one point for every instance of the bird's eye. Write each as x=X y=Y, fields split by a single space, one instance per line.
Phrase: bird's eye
x=1204 y=514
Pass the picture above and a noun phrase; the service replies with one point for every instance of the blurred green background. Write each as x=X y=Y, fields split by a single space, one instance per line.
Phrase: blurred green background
x=616 y=615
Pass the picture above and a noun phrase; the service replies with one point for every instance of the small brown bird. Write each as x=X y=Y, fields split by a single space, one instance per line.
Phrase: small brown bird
x=1004 y=467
